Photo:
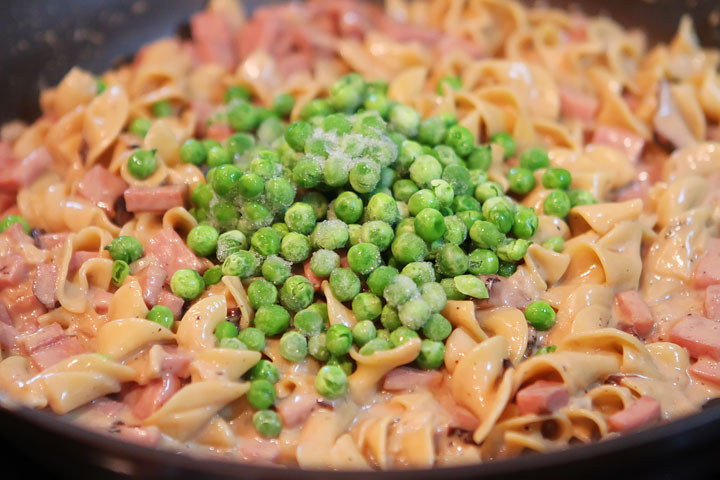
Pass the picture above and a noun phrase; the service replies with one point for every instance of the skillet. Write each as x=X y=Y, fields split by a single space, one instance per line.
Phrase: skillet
x=40 y=41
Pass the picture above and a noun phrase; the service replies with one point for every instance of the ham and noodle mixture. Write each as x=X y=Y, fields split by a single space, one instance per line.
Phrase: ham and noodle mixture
x=345 y=237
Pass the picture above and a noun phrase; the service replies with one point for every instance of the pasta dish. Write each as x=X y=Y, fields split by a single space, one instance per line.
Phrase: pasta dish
x=339 y=235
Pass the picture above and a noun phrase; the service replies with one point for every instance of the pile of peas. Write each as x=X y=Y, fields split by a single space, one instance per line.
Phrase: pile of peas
x=406 y=199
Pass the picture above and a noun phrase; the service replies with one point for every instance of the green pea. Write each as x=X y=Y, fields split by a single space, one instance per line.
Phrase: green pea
x=336 y=171
x=275 y=269
x=451 y=81
x=557 y=203
x=293 y=346
x=378 y=102
x=363 y=258
x=506 y=269
x=480 y=158
x=378 y=233
x=437 y=328
x=297 y=135
x=242 y=116
x=295 y=247
x=488 y=190
x=140 y=126
x=253 y=338
x=434 y=295
x=483 y=262
x=405 y=120
x=348 y=207
x=534 y=159
x=526 y=223
x=455 y=230
x=279 y=193
x=486 y=234
x=270 y=130
x=331 y=235
x=237 y=92
x=120 y=271
x=142 y=164
x=364 y=331
x=240 y=264
x=432 y=131
x=323 y=262
x=296 y=293
x=580 y=197
x=257 y=214
x=261 y=394
x=261 y=292
x=424 y=169
x=319 y=107
x=266 y=241
x=339 y=339
x=540 y=315
x=421 y=200
x=202 y=195
x=300 y=217
x=202 y=240
x=318 y=202
x=267 y=423
x=405 y=225
x=382 y=207
x=414 y=313
x=460 y=139
x=163 y=108
x=331 y=382
x=513 y=250
x=232 y=343
x=451 y=260
x=264 y=370
x=345 y=285
x=283 y=104
x=501 y=212
x=187 y=284
x=250 y=185
x=317 y=348
x=161 y=315
x=444 y=191
x=546 y=349
x=225 y=180
x=307 y=172
x=400 y=290
x=409 y=151
x=451 y=291
x=401 y=335
x=379 y=279
x=367 y=306
x=230 y=242
x=471 y=286
x=430 y=224
x=209 y=143
x=226 y=330
x=125 y=248
x=556 y=178
x=225 y=214
x=431 y=355
x=556 y=244
x=364 y=176
x=193 y=152
x=308 y=322
x=217 y=156
x=239 y=143
x=419 y=272
x=409 y=247
x=375 y=345
x=272 y=320
x=506 y=141
x=390 y=318
x=464 y=203
x=521 y=180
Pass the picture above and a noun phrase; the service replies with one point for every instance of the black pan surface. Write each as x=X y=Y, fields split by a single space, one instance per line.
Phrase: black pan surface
x=41 y=40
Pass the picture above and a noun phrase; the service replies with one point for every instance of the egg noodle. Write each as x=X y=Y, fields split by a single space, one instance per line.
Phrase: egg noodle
x=634 y=283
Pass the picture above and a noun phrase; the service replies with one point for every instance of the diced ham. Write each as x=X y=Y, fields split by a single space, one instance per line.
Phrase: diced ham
x=261 y=451
x=152 y=278
x=147 y=399
x=8 y=334
x=13 y=270
x=22 y=306
x=219 y=132
x=49 y=345
x=22 y=174
x=154 y=199
x=7 y=200
x=460 y=417
x=5 y=315
x=78 y=258
x=171 y=252
x=213 y=39
x=707 y=270
x=143 y=436
x=712 y=302
x=203 y=111
x=635 y=315
x=627 y=142
x=176 y=362
x=699 y=335
x=406 y=378
x=343 y=259
x=706 y=369
x=576 y=104
x=101 y=301
x=101 y=187
x=314 y=279
x=45 y=284
x=297 y=408
x=173 y=302
x=513 y=291
x=638 y=414
x=542 y=397
x=48 y=241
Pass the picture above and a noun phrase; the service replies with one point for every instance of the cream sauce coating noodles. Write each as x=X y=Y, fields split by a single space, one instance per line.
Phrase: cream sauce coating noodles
x=636 y=287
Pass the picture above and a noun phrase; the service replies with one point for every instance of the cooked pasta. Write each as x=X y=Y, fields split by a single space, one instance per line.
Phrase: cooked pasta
x=339 y=236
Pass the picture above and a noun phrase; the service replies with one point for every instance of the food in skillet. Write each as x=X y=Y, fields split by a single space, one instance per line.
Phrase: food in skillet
x=334 y=236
